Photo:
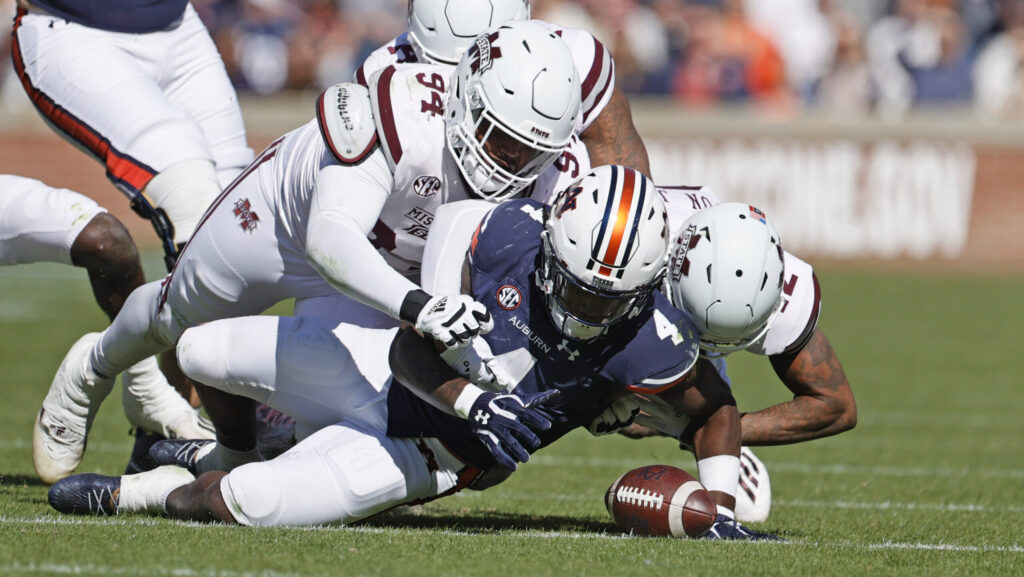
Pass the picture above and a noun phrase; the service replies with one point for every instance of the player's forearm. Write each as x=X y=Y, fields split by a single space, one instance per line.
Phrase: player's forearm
x=613 y=139
x=802 y=419
x=416 y=364
x=823 y=401
x=345 y=207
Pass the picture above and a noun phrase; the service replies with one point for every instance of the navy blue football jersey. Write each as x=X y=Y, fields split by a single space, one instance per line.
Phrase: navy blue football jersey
x=132 y=16
x=647 y=353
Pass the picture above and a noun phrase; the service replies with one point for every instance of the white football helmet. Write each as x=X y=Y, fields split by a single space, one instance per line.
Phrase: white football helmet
x=512 y=104
x=441 y=30
x=726 y=271
x=605 y=250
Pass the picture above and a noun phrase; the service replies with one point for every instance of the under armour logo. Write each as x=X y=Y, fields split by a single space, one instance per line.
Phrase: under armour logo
x=564 y=346
x=482 y=417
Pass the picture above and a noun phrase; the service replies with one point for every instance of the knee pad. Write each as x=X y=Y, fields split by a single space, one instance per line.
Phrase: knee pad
x=252 y=493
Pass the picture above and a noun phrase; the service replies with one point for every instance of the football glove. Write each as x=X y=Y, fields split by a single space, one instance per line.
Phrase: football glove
x=475 y=361
x=726 y=528
x=616 y=416
x=453 y=319
x=505 y=424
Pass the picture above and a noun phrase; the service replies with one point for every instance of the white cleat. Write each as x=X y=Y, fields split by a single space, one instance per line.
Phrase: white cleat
x=754 y=494
x=151 y=403
x=63 y=423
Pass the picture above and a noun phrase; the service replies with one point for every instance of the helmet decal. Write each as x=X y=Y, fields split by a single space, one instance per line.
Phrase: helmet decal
x=617 y=235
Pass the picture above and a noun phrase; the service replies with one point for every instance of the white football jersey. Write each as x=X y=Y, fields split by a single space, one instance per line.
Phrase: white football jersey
x=801 y=296
x=594 y=65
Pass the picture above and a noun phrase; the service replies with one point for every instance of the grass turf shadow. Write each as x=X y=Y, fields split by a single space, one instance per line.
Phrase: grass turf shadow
x=485 y=522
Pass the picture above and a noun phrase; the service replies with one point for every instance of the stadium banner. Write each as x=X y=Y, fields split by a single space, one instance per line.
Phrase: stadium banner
x=838 y=198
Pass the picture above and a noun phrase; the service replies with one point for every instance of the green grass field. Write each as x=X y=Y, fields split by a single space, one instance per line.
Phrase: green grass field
x=931 y=482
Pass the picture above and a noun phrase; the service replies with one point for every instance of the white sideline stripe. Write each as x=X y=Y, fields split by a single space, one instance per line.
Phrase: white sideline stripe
x=876 y=506
x=687 y=459
x=447 y=532
x=889 y=505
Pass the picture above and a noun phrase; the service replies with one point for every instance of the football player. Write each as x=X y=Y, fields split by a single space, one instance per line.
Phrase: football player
x=309 y=216
x=771 y=309
x=441 y=30
x=578 y=323
x=139 y=86
x=39 y=223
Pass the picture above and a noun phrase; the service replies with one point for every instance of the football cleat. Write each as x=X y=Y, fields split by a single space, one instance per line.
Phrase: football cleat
x=86 y=494
x=63 y=422
x=150 y=402
x=726 y=528
x=275 y=431
x=180 y=452
x=754 y=494
x=140 y=460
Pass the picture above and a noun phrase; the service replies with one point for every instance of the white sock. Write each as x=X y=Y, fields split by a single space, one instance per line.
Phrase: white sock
x=184 y=191
x=147 y=492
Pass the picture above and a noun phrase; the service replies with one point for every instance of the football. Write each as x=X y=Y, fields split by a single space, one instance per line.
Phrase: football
x=660 y=501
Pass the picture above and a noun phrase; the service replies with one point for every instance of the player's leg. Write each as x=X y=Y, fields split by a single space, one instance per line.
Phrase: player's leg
x=315 y=370
x=216 y=277
x=201 y=88
x=99 y=90
x=106 y=250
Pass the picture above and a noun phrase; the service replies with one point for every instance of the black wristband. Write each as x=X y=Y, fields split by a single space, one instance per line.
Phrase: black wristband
x=413 y=304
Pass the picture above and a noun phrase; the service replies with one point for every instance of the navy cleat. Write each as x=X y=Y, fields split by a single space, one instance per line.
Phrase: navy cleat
x=86 y=494
x=726 y=528
x=181 y=452
x=275 y=431
x=140 y=460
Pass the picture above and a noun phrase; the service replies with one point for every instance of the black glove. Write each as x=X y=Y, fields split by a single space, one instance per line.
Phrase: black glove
x=505 y=424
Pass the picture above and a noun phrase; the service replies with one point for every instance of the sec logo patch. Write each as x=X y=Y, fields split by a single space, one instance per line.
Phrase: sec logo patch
x=509 y=297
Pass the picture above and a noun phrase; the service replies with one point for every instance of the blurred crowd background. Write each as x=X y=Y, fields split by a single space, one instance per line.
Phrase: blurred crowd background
x=851 y=56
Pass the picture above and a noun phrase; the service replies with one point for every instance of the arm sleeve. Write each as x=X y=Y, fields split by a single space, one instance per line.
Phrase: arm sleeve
x=451 y=235
x=345 y=207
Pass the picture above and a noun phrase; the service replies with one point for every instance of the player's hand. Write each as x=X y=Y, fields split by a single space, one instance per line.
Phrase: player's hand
x=616 y=416
x=505 y=423
x=454 y=319
x=475 y=361
x=726 y=528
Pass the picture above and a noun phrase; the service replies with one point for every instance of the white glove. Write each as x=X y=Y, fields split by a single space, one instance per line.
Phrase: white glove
x=615 y=416
x=754 y=494
x=454 y=319
x=475 y=361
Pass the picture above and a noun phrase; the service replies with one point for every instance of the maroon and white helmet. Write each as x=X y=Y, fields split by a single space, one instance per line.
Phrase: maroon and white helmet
x=441 y=30
x=605 y=251
x=512 y=107
x=726 y=271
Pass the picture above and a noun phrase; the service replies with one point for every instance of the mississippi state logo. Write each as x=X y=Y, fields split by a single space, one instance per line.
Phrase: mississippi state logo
x=248 y=218
x=509 y=297
x=680 y=266
x=483 y=53
x=426 y=186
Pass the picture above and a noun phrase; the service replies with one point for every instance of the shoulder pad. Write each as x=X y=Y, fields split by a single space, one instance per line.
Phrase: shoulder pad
x=345 y=117
x=383 y=113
